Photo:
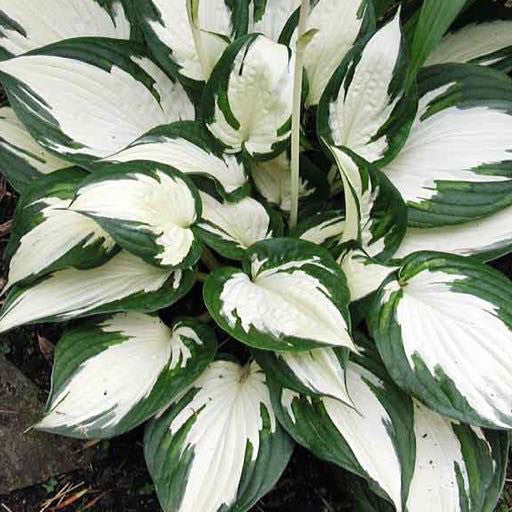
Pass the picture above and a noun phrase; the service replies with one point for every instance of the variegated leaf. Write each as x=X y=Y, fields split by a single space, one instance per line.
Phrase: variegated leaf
x=338 y=25
x=25 y=26
x=275 y=19
x=124 y=283
x=231 y=228
x=290 y=296
x=189 y=148
x=112 y=374
x=443 y=318
x=487 y=43
x=22 y=159
x=150 y=210
x=485 y=239
x=375 y=130
x=317 y=372
x=324 y=228
x=456 y=165
x=219 y=447
x=121 y=95
x=170 y=36
x=47 y=236
x=273 y=181
x=376 y=215
x=247 y=103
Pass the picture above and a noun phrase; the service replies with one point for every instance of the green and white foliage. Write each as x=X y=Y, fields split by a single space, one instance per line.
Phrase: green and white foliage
x=149 y=209
x=124 y=283
x=375 y=129
x=219 y=447
x=455 y=166
x=185 y=49
x=230 y=228
x=438 y=317
x=48 y=236
x=487 y=43
x=253 y=66
x=187 y=146
x=281 y=176
x=290 y=296
x=25 y=25
x=112 y=374
x=22 y=160
x=336 y=26
x=121 y=95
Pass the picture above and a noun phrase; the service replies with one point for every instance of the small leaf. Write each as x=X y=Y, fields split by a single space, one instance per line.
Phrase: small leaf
x=112 y=374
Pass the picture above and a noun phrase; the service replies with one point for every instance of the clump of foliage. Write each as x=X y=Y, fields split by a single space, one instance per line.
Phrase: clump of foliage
x=318 y=187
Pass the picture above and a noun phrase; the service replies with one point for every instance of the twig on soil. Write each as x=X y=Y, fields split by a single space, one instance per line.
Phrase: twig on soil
x=95 y=500
x=61 y=495
x=5 y=507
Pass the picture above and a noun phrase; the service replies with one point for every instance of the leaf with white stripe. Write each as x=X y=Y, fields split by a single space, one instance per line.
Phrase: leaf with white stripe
x=170 y=36
x=375 y=216
x=220 y=447
x=364 y=274
x=188 y=147
x=231 y=228
x=372 y=437
x=488 y=43
x=272 y=180
x=150 y=210
x=273 y=18
x=247 y=103
x=120 y=95
x=26 y=26
x=318 y=372
x=375 y=130
x=324 y=228
x=112 y=374
x=443 y=327
x=459 y=468
x=22 y=159
x=124 y=283
x=456 y=165
x=290 y=296
x=339 y=24
x=47 y=236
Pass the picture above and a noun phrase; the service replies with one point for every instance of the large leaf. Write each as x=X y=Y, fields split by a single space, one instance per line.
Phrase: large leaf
x=435 y=17
x=456 y=165
x=24 y=26
x=376 y=68
x=324 y=228
x=290 y=296
x=443 y=327
x=124 y=283
x=231 y=228
x=337 y=26
x=22 y=159
x=220 y=447
x=375 y=216
x=189 y=148
x=413 y=457
x=47 y=236
x=488 y=43
x=112 y=374
x=272 y=18
x=247 y=103
x=150 y=210
x=169 y=33
x=485 y=238
x=120 y=95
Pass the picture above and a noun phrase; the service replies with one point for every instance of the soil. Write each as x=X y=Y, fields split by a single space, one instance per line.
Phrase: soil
x=116 y=479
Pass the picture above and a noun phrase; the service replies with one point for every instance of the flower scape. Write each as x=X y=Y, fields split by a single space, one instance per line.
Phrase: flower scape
x=268 y=222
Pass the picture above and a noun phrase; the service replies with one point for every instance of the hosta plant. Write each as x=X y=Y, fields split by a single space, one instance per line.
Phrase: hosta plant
x=266 y=222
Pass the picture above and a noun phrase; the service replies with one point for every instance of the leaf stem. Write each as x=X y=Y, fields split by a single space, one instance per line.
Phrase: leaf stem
x=193 y=20
x=209 y=259
x=296 y=113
